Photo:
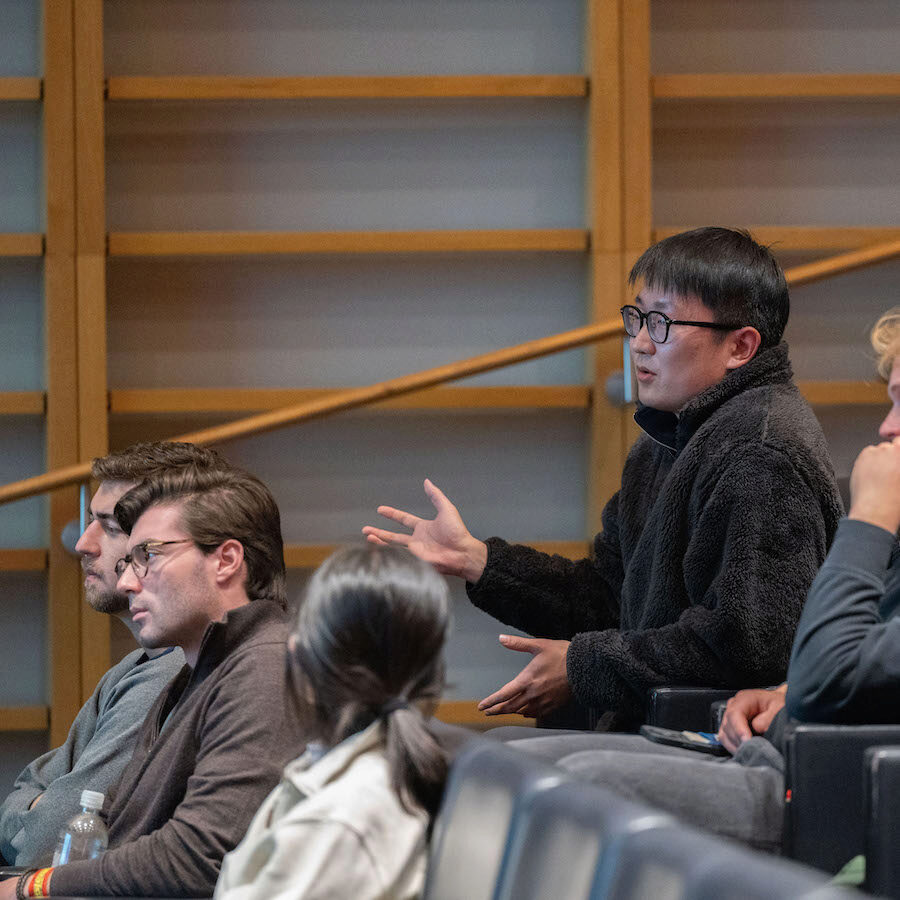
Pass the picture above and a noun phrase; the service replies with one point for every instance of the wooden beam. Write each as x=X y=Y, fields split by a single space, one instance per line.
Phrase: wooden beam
x=782 y=86
x=234 y=87
x=24 y=718
x=21 y=244
x=233 y=243
x=64 y=579
x=15 y=88
x=805 y=237
x=194 y=400
x=26 y=559
x=22 y=403
x=308 y=556
x=466 y=712
x=844 y=393
x=90 y=169
x=604 y=210
x=842 y=263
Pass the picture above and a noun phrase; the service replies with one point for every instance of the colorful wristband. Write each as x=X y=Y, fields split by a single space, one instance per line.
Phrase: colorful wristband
x=40 y=883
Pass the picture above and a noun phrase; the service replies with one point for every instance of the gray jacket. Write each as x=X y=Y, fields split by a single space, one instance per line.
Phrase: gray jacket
x=96 y=750
x=724 y=515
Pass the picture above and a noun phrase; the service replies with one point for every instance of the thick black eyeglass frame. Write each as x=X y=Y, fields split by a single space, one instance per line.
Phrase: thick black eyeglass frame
x=141 y=567
x=645 y=317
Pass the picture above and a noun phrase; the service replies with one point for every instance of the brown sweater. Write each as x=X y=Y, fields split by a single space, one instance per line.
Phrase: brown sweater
x=210 y=750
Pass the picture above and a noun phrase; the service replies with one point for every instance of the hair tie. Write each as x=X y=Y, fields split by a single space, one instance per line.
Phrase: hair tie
x=394 y=704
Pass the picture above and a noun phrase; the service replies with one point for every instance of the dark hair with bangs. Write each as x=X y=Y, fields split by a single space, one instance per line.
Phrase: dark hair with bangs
x=738 y=279
x=218 y=505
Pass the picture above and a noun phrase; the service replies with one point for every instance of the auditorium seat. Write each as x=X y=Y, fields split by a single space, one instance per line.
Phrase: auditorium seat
x=488 y=785
x=564 y=838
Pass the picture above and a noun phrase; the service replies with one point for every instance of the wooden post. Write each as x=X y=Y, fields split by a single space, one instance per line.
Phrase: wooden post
x=64 y=578
x=637 y=144
x=93 y=439
x=604 y=207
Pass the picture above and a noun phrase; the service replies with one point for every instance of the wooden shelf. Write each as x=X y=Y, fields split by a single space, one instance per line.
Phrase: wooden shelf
x=24 y=718
x=233 y=87
x=20 y=88
x=802 y=237
x=21 y=244
x=457 y=712
x=783 y=86
x=205 y=400
x=844 y=393
x=466 y=712
x=28 y=559
x=22 y=403
x=308 y=556
x=234 y=243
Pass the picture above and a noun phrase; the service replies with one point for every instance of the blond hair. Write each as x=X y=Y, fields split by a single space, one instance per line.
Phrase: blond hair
x=885 y=339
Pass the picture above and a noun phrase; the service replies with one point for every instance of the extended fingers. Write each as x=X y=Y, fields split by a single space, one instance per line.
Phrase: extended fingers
x=511 y=691
x=398 y=515
x=382 y=538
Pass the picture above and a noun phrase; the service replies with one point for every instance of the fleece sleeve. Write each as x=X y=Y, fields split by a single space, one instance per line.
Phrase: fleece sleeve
x=845 y=665
x=759 y=538
x=550 y=596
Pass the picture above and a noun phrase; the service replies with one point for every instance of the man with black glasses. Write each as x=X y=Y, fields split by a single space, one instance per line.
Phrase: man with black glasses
x=727 y=506
x=204 y=571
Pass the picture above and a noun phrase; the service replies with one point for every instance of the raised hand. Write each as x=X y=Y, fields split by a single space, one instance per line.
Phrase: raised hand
x=443 y=541
x=875 y=486
x=540 y=687
x=749 y=712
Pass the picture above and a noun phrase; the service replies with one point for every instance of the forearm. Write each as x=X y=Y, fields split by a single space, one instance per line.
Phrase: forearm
x=542 y=594
x=845 y=665
x=174 y=861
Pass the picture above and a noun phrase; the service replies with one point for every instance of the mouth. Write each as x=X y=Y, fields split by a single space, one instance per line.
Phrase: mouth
x=644 y=374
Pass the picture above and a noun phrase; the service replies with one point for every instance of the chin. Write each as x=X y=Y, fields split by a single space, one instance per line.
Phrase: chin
x=108 y=602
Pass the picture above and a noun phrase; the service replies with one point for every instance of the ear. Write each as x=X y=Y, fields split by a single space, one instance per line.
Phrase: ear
x=743 y=343
x=228 y=561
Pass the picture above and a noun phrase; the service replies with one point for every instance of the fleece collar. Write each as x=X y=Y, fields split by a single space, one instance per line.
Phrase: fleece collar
x=673 y=430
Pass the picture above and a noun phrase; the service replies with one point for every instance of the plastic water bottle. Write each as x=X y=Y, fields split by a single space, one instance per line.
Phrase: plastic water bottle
x=85 y=836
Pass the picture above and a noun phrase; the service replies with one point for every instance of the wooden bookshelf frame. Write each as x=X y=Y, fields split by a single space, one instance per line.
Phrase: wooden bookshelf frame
x=408 y=87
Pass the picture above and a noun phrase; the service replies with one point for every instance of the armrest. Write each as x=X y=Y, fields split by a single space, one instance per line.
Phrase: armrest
x=882 y=774
x=824 y=817
x=683 y=707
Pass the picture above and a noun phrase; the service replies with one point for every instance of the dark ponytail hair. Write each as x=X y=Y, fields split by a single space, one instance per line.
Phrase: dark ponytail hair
x=368 y=644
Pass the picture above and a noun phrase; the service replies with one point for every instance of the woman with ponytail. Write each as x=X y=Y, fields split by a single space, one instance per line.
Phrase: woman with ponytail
x=351 y=816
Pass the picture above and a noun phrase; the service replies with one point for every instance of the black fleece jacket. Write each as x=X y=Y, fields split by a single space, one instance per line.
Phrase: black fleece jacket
x=724 y=515
x=211 y=748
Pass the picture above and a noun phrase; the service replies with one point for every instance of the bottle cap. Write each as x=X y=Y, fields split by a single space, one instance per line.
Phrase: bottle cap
x=92 y=799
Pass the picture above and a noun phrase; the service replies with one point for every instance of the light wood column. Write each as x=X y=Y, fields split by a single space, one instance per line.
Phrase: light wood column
x=93 y=435
x=637 y=147
x=64 y=575
x=604 y=209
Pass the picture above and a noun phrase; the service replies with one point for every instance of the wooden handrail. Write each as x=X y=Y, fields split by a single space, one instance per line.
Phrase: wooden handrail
x=353 y=398
x=843 y=262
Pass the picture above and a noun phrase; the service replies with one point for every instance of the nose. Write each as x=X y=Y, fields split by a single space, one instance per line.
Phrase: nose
x=88 y=544
x=641 y=342
x=890 y=427
x=128 y=582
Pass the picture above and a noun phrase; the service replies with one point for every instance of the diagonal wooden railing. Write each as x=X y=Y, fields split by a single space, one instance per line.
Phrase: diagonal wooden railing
x=353 y=398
